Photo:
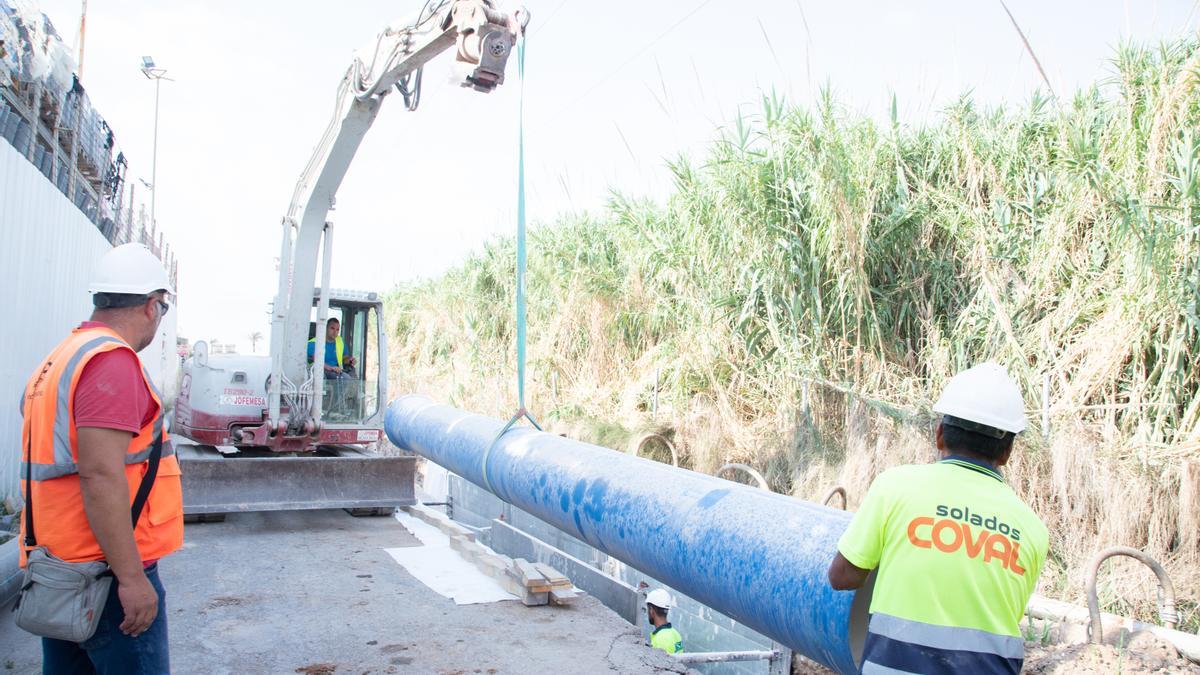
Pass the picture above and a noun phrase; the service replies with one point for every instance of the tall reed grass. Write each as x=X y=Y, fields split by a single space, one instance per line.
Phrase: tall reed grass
x=801 y=298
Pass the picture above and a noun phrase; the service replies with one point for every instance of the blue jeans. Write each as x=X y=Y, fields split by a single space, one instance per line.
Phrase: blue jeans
x=110 y=651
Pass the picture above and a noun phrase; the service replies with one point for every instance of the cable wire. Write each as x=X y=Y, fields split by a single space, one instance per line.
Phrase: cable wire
x=631 y=59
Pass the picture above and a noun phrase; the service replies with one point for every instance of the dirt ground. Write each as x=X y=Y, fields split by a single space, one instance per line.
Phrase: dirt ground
x=1145 y=653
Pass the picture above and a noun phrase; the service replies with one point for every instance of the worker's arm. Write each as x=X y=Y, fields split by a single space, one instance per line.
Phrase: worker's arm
x=860 y=547
x=844 y=575
x=106 y=502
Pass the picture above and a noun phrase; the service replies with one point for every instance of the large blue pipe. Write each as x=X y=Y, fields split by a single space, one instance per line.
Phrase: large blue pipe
x=755 y=556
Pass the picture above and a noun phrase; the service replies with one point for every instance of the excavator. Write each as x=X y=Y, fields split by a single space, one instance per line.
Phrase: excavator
x=279 y=432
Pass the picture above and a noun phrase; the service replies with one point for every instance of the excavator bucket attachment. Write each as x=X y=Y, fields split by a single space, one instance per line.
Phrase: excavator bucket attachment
x=348 y=478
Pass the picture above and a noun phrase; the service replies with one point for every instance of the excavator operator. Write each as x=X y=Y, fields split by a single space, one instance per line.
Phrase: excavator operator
x=337 y=361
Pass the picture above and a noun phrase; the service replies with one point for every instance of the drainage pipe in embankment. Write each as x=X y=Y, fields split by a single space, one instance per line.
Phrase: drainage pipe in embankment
x=758 y=557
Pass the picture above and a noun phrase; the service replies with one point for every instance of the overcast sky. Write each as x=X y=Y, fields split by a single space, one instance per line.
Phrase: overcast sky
x=613 y=89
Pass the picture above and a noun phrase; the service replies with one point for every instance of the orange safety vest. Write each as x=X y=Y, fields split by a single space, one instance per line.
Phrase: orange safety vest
x=48 y=433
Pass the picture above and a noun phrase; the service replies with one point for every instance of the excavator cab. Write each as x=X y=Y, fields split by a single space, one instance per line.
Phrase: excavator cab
x=352 y=397
x=239 y=465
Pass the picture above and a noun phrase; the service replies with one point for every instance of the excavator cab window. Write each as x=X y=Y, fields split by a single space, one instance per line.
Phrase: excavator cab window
x=352 y=396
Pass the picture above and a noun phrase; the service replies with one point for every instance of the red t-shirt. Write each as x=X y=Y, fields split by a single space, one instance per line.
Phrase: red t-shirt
x=112 y=393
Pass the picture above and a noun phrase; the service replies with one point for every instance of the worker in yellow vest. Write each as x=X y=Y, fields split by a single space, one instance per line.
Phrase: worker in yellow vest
x=957 y=553
x=663 y=636
x=336 y=359
x=91 y=420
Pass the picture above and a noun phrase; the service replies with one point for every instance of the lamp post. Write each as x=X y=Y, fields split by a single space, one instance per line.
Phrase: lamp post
x=157 y=74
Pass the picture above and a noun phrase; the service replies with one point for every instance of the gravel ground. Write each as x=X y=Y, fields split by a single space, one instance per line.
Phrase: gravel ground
x=314 y=592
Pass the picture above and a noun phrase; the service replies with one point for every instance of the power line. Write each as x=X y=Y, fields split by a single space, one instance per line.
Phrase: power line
x=633 y=58
x=538 y=26
x=1036 y=62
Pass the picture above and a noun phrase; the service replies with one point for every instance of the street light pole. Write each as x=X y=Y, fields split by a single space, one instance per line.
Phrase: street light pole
x=154 y=155
x=158 y=75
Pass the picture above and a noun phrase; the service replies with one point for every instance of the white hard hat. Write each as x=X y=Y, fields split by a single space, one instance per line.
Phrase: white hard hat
x=659 y=598
x=984 y=395
x=130 y=269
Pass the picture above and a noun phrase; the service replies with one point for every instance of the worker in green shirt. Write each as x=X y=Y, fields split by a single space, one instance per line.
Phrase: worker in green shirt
x=957 y=553
x=663 y=637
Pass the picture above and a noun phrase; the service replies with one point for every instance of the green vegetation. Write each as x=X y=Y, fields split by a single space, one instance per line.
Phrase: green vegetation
x=809 y=287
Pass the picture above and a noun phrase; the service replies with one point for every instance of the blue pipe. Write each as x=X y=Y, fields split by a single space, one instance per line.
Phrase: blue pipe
x=758 y=557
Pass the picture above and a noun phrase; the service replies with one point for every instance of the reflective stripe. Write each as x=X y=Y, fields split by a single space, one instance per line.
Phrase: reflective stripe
x=49 y=471
x=869 y=668
x=947 y=637
x=339 y=349
x=150 y=381
x=58 y=470
x=62 y=417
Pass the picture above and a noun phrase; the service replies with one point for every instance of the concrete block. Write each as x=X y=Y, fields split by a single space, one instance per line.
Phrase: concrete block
x=494 y=567
x=471 y=551
x=452 y=529
x=530 y=599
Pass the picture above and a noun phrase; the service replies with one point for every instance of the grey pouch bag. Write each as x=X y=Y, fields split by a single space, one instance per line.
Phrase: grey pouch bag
x=62 y=600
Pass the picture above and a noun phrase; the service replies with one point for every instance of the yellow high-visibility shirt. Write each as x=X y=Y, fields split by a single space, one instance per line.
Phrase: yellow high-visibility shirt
x=667 y=639
x=958 y=556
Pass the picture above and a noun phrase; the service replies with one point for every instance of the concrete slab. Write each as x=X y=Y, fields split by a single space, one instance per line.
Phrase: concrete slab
x=315 y=592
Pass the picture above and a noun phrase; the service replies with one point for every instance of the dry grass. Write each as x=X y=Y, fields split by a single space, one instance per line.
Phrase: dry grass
x=801 y=299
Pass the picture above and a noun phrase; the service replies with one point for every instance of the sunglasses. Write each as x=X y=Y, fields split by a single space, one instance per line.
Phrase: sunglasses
x=165 y=307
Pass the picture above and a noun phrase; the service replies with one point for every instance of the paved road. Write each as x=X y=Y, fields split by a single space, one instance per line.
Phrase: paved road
x=314 y=592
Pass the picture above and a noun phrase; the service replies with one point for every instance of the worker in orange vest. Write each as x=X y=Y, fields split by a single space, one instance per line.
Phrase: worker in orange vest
x=91 y=417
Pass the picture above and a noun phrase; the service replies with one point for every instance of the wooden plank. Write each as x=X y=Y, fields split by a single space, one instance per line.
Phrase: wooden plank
x=613 y=593
x=564 y=596
x=552 y=575
x=529 y=574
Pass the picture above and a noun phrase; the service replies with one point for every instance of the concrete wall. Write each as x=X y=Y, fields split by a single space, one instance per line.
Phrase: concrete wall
x=48 y=250
x=703 y=628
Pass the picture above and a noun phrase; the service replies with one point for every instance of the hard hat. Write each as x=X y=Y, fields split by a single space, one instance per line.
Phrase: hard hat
x=984 y=395
x=659 y=598
x=130 y=269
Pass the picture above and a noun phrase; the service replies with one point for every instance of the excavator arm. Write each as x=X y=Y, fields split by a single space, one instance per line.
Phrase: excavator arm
x=482 y=38
x=242 y=455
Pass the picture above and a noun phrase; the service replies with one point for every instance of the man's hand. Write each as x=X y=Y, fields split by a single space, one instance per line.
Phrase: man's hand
x=845 y=576
x=333 y=369
x=140 y=602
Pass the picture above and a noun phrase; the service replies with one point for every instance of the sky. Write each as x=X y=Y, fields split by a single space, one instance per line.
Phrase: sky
x=613 y=90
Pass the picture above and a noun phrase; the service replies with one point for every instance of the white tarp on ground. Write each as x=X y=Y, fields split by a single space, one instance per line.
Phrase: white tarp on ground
x=441 y=568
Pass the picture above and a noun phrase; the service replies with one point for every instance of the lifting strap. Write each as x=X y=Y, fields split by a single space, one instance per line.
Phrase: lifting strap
x=521 y=412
